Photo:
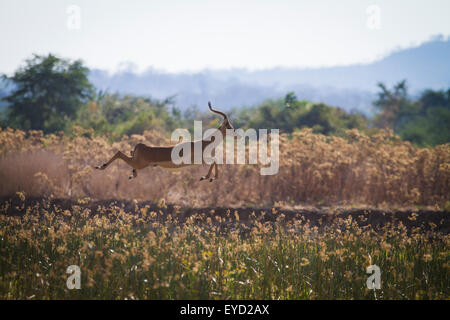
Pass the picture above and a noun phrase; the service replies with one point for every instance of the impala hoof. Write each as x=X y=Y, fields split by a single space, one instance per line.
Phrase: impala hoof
x=211 y=179
x=103 y=166
x=202 y=178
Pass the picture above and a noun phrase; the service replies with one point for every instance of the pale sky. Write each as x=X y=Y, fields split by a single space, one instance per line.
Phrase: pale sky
x=191 y=35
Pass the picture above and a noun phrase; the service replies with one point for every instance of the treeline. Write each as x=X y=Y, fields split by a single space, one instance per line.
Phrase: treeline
x=53 y=94
x=423 y=121
x=289 y=114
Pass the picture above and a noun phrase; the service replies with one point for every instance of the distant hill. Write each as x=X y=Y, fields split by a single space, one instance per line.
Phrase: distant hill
x=425 y=66
x=350 y=87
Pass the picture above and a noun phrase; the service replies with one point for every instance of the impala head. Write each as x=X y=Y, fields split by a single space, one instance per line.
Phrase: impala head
x=226 y=124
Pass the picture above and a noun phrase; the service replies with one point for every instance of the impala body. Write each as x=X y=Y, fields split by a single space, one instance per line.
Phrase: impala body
x=143 y=156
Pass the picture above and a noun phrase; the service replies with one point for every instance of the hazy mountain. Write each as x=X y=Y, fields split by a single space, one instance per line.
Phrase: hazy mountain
x=350 y=87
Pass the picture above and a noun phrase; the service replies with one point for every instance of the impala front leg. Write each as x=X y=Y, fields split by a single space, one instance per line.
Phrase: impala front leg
x=216 y=172
x=133 y=174
x=209 y=174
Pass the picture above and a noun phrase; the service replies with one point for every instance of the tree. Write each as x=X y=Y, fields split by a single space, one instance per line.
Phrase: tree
x=429 y=126
x=290 y=99
x=431 y=99
x=117 y=115
x=394 y=106
x=289 y=114
x=47 y=93
x=424 y=121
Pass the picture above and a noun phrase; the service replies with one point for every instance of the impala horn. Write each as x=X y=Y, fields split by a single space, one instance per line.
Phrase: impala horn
x=218 y=112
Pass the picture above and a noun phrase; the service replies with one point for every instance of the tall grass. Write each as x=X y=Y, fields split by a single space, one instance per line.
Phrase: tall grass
x=314 y=169
x=147 y=254
x=141 y=251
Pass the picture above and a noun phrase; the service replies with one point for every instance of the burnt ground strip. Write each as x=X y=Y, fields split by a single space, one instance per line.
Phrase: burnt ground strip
x=427 y=220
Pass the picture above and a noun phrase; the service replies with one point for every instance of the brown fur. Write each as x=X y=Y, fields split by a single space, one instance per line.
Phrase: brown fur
x=143 y=156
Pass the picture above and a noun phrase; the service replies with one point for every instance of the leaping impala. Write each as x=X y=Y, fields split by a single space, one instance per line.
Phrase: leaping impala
x=143 y=156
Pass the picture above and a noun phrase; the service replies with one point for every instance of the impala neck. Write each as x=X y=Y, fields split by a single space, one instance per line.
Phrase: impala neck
x=210 y=140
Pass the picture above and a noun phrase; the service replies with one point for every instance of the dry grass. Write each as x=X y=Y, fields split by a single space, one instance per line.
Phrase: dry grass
x=140 y=251
x=133 y=249
x=314 y=169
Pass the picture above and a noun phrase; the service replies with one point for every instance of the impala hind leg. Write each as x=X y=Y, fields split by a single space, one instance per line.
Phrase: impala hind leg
x=208 y=176
x=216 y=173
x=133 y=174
x=118 y=155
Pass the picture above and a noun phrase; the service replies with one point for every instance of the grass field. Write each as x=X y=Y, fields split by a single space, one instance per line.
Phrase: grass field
x=337 y=206
x=146 y=250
